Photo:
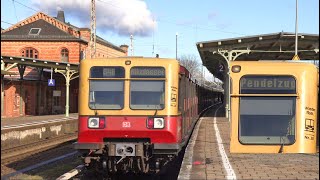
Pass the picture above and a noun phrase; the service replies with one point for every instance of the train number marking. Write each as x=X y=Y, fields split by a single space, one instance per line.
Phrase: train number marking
x=126 y=124
x=174 y=96
x=309 y=137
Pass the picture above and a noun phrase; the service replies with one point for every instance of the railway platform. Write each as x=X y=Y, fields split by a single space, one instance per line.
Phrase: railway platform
x=7 y=122
x=208 y=157
x=16 y=132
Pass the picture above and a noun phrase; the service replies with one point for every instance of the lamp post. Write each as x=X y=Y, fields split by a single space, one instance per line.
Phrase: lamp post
x=176 y=45
x=296 y=40
x=228 y=85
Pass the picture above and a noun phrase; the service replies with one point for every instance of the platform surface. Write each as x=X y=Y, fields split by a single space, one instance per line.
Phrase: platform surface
x=208 y=156
x=20 y=121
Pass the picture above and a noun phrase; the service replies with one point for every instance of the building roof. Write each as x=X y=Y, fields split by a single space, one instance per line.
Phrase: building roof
x=47 y=32
x=52 y=29
x=275 y=46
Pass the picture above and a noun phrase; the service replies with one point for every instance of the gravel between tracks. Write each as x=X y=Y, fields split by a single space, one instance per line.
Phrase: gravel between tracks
x=37 y=158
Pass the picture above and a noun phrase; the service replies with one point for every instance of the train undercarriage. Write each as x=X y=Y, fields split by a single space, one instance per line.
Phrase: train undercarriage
x=123 y=157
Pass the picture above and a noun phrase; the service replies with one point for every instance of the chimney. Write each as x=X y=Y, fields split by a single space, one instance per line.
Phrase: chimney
x=60 y=16
x=125 y=48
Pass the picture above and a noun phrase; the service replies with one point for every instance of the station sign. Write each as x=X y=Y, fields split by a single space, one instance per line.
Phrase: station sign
x=147 y=72
x=107 y=72
x=51 y=82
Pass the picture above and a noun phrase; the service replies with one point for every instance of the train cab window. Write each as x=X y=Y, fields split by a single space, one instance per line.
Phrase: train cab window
x=147 y=94
x=266 y=119
x=106 y=93
x=147 y=90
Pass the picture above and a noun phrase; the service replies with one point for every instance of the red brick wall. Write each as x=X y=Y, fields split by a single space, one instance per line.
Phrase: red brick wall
x=46 y=50
x=14 y=99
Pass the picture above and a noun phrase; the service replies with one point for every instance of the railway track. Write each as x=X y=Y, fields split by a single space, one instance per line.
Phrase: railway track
x=11 y=155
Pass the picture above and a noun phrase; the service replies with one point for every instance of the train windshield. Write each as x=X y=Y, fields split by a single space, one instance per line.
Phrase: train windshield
x=147 y=88
x=106 y=94
x=146 y=94
x=267 y=119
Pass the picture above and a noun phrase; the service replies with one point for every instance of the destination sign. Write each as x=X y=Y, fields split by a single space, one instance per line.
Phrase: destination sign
x=147 y=72
x=106 y=72
x=267 y=85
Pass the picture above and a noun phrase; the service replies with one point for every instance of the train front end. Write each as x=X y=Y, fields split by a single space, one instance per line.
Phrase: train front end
x=128 y=120
x=274 y=107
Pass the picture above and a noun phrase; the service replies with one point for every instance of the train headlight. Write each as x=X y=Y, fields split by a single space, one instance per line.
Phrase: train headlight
x=96 y=122
x=155 y=123
x=236 y=68
x=158 y=123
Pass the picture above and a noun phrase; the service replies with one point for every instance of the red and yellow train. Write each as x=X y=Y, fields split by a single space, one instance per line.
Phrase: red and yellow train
x=136 y=114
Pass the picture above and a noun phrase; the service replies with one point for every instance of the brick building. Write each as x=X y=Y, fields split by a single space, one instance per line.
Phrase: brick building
x=48 y=38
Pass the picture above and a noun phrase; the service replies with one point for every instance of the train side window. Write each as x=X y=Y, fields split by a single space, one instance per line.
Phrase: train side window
x=181 y=94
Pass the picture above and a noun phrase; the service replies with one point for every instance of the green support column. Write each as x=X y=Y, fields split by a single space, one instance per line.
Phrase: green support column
x=21 y=99
x=68 y=77
x=67 y=92
x=229 y=55
x=39 y=91
x=21 y=69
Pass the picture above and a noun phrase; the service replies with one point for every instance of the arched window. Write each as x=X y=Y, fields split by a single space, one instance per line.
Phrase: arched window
x=29 y=52
x=64 y=55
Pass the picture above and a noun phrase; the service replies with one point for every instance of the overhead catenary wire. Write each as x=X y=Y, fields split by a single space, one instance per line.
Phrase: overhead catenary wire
x=26 y=6
x=15 y=11
x=7 y=22
x=180 y=24
x=13 y=3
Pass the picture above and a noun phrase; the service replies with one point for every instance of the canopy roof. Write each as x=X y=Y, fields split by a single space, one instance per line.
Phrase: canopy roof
x=276 y=46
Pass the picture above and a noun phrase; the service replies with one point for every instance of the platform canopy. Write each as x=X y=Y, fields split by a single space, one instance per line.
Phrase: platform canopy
x=69 y=70
x=276 y=46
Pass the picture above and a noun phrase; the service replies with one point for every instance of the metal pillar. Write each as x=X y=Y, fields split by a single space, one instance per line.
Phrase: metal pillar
x=93 y=30
x=229 y=55
x=296 y=33
x=39 y=93
x=177 y=46
x=22 y=69
x=68 y=77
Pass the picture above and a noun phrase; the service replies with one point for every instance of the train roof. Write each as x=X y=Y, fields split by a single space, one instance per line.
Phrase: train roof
x=131 y=58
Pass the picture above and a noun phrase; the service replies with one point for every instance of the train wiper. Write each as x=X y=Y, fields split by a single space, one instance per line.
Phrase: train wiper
x=95 y=109
x=283 y=138
x=282 y=144
x=155 y=113
x=94 y=104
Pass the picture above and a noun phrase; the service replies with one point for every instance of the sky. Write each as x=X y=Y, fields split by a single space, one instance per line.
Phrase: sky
x=157 y=24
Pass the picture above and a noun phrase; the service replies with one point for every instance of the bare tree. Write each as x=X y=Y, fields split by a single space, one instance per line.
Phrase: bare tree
x=191 y=63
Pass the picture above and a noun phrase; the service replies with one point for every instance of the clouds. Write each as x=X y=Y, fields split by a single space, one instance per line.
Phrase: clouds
x=123 y=17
